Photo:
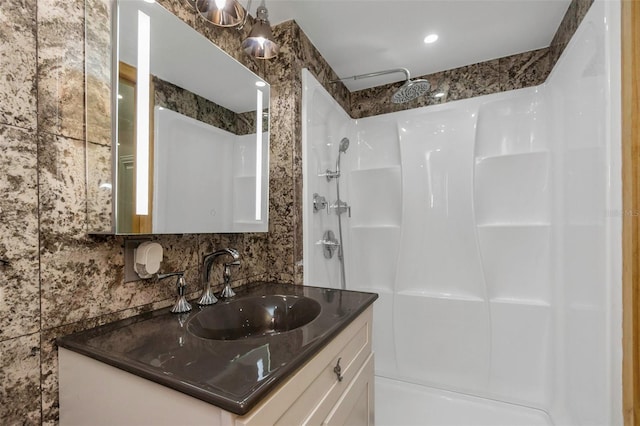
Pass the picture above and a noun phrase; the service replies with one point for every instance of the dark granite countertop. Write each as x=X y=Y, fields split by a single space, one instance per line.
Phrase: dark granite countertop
x=232 y=374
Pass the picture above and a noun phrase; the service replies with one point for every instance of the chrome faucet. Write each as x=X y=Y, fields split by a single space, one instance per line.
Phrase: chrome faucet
x=207 y=297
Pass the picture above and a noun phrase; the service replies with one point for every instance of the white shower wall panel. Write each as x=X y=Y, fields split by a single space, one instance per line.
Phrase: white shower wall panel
x=498 y=273
x=581 y=102
x=325 y=124
x=472 y=283
x=439 y=255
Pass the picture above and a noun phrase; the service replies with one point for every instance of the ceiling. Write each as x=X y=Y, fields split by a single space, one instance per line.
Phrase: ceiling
x=363 y=36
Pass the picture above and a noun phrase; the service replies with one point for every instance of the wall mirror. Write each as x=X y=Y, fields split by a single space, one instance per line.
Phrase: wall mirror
x=189 y=143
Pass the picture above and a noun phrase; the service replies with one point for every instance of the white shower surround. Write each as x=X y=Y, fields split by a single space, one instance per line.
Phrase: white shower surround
x=491 y=228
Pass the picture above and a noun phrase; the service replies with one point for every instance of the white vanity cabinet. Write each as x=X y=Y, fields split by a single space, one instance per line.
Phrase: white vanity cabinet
x=92 y=392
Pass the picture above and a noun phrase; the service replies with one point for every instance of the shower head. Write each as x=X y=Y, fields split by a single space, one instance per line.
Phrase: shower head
x=344 y=145
x=342 y=148
x=410 y=90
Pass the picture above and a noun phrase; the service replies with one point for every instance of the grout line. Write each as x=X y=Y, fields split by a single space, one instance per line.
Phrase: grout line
x=38 y=210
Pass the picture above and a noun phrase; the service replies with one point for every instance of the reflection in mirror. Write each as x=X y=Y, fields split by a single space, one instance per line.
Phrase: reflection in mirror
x=98 y=18
x=192 y=131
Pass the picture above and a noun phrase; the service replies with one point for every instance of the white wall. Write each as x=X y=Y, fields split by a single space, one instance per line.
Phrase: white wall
x=214 y=190
x=584 y=93
x=486 y=227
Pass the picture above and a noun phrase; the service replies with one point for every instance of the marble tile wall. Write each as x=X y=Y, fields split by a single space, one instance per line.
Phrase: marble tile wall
x=180 y=100
x=499 y=75
x=509 y=73
x=62 y=280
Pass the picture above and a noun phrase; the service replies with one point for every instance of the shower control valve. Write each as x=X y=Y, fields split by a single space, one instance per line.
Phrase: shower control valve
x=341 y=207
x=319 y=203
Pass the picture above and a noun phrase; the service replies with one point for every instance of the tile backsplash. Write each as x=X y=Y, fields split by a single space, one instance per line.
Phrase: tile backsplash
x=61 y=279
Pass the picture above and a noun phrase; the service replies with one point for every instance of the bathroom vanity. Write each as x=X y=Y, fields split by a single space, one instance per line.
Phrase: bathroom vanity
x=301 y=355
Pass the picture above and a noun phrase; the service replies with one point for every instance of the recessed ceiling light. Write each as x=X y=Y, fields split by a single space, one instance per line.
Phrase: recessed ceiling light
x=431 y=38
x=260 y=83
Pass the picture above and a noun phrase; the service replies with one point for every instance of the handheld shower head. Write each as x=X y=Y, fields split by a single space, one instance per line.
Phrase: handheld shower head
x=343 y=146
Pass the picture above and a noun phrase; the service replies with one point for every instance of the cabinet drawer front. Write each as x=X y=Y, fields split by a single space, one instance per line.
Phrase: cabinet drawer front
x=355 y=406
x=310 y=394
x=352 y=356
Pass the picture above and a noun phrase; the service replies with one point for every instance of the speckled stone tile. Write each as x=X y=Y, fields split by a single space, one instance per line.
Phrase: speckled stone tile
x=255 y=254
x=322 y=71
x=19 y=301
x=18 y=63
x=570 y=23
x=473 y=80
x=509 y=73
x=212 y=242
x=99 y=188
x=20 y=380
x=253 y=257
x=377 y=100
x=61 y=67
x=284 y=67
x=98 y=71
x=62 y=177
x=298 y=274
x=524 y=69
x=187 y=103
x=181 y=8
x=86 y=277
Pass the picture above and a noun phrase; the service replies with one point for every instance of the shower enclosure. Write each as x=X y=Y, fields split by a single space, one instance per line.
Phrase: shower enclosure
x=488 y=227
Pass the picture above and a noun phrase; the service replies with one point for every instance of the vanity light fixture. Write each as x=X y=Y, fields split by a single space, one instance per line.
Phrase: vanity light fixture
x=260 y=43
x=259 y=109
x=222 y=13
x=142 y=114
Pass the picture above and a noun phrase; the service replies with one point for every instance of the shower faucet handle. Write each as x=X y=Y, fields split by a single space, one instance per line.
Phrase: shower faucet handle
x=319 y=203
x=341 y=207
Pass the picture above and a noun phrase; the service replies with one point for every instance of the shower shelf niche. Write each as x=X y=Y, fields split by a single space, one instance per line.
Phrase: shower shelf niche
x=502 y=225
x=376 y=226
x=512 y=156
x=512 y=188
x=376 y=168
x=377 y=194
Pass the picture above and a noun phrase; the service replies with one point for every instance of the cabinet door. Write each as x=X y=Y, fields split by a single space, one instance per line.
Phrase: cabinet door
x=355 y=406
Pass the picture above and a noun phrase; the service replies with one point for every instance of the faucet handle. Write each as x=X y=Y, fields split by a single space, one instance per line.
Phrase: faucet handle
x=227 y=292
x=181 y=306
